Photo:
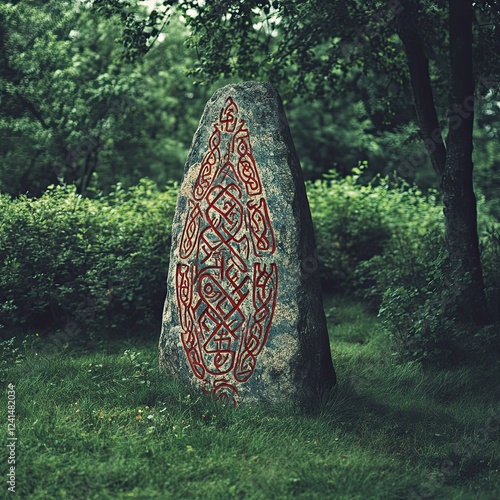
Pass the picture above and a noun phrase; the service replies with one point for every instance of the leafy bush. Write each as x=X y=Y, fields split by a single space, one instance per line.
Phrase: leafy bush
x=490 y=246
x=425 y=323
x=385 y=242
x=420 y=314
x=356 y=222
x=85 y=264
x=418 y=303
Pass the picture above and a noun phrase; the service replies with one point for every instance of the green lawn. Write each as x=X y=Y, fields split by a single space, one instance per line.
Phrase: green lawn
x=100 y=422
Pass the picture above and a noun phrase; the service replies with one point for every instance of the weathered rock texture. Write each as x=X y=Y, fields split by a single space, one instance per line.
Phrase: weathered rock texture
x=243 y=316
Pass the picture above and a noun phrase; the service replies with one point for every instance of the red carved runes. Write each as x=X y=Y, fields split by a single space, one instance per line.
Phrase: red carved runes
x=226 y=282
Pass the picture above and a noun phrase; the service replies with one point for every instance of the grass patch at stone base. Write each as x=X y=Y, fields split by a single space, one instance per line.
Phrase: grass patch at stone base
x=103 y=423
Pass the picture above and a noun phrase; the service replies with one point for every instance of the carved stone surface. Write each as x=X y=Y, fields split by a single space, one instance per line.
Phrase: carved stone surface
x=243 y=316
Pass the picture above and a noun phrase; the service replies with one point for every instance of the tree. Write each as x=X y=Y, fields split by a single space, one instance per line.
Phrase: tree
x=314 y=47
x=72 y=106
x=453 y=160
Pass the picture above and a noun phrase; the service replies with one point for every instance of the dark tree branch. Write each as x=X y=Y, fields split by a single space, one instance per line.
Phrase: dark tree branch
x=33 y=110
x=423 y=96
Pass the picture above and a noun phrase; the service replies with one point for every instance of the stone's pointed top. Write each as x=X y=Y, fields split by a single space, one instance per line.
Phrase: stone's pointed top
x=249 y=86
x=242 y=319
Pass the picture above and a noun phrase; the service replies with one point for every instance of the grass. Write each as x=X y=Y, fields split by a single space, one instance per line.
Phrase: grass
x=101 y=423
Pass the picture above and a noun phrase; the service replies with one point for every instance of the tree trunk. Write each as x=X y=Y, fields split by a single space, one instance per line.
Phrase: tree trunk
x=89 y=168
x=460 y=211
x=453 y=162
x=423 y=97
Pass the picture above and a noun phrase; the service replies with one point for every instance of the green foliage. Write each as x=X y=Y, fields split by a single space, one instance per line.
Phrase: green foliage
x=323 y=47
x=421 y=317
x=339 y=112
x=490 y=244
x=82 y=264
x=487 y=153
x=419 y=303
x=426 y=323
x=384 y=241
x=142 y=368
x=140 y=29
x=356 y=221
x=71 y=106
x=340 y=131
x=10 y=354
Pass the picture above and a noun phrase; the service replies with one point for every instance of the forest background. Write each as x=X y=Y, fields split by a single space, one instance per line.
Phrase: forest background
x=99 y=96
x=393 y=108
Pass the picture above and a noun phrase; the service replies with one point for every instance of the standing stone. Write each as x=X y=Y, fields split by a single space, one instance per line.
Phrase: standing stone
x=243 y=316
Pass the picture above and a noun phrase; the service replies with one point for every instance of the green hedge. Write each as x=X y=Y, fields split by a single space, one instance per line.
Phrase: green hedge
x=98 y=264
x=92 y=264
x=385 y=242
x=360 y=227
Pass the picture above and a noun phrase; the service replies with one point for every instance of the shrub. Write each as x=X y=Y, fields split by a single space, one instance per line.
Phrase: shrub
x=418 y=302
x=419 y=313
x=377 y=223
x=385 y=242
x=85 y=264
x=490 y=254
x=425 y=322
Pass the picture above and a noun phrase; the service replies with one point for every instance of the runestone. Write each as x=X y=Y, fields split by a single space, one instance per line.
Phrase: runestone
x=238 y=320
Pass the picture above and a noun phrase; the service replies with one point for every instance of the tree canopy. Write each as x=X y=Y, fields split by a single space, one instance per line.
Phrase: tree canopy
x=72 y=106
x=443 y=54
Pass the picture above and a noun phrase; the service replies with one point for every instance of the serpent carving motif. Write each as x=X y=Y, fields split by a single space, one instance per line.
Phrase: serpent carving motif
x=227 y=280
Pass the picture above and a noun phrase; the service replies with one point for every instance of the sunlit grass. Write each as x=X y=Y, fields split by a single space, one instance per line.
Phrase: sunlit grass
x=107 y=425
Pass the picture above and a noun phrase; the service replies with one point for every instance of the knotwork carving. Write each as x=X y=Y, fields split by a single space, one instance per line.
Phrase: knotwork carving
x=226 y=283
